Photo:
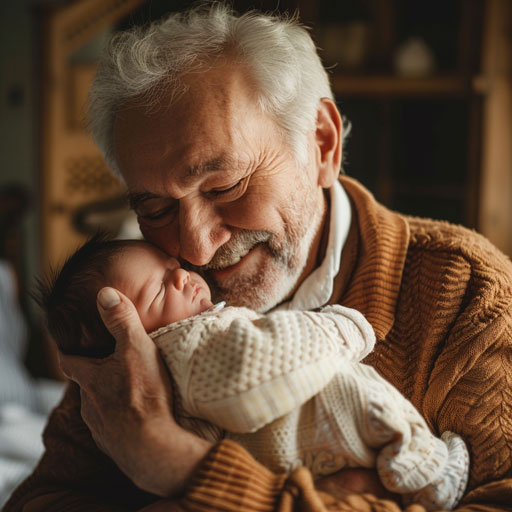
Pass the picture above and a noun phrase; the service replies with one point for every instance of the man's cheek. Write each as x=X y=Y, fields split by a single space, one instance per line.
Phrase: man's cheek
x=254 y=212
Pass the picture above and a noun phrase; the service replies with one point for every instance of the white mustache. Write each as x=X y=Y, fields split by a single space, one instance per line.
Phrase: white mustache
x=236 y=248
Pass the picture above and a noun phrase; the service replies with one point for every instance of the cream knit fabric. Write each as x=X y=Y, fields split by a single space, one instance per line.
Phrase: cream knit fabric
x=289 y=387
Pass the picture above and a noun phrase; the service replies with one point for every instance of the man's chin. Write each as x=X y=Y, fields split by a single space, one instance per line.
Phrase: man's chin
x=261 y=290
x=260 y=280
x=259 y=301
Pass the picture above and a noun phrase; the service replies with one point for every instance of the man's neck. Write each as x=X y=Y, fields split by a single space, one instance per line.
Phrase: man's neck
x=316 y=285
x=324 y=232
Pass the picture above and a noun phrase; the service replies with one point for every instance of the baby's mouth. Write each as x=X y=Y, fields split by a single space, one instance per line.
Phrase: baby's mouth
x=196 y=289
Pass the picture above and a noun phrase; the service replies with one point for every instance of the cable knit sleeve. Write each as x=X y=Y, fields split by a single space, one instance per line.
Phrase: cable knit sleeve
x=250 y=371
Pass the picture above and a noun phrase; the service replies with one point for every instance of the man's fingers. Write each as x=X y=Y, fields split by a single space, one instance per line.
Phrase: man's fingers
x=119 y=315
x=77 y=368
x=91 y=418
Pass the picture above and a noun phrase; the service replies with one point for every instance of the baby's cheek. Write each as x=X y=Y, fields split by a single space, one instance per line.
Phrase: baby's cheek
x=146 y=321
x=204 y=305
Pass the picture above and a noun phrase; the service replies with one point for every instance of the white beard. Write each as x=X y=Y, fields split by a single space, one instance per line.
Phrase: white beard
x=278 y=271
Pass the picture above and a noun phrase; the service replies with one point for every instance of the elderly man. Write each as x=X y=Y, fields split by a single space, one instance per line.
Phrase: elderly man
x=226 y=134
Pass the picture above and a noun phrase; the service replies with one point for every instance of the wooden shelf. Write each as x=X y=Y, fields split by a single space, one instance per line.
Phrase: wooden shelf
x=396 y=86
x=430 y=190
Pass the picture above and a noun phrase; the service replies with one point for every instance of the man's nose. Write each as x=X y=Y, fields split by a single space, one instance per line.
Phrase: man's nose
x=202 y=231
x=180 y=277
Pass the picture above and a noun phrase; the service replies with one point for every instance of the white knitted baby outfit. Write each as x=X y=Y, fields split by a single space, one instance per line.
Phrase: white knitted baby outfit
x=289 y=387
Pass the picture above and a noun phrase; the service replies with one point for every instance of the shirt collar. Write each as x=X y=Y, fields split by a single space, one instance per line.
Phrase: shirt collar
x=316 y=290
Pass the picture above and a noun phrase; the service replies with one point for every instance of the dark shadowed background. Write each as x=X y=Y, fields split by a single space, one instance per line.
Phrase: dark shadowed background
x=426 y=86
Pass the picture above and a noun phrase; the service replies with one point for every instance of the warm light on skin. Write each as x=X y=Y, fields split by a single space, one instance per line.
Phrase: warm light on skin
x=212 y=170
x=161 y=290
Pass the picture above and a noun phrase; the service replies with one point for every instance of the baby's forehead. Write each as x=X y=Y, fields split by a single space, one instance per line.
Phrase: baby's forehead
x=139 y=254
x=139 y=248
x=130 y=263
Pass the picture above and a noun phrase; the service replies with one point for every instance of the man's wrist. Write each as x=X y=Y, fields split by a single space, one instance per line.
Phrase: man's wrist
x=179 y=454
x=190 y=451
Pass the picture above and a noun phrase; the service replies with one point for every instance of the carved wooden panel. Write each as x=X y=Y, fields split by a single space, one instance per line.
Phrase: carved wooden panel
x=73 y=172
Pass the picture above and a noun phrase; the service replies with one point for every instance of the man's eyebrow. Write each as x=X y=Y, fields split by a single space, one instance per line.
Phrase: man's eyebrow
x=135 y=199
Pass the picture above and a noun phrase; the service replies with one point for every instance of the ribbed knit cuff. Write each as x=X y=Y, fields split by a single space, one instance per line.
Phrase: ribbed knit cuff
x=229 y=479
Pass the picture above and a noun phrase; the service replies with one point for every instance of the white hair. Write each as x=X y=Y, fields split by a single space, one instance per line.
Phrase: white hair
x=278 y=52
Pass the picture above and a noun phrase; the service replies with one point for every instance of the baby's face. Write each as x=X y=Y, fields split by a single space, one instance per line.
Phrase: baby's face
x=160 y=289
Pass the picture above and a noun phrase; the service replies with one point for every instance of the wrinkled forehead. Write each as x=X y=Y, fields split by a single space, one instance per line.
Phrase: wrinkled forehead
x=197 y=106
x=217 y=118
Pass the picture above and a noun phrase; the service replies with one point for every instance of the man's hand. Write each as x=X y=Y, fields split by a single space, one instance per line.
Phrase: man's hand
x=126 y=403
x=359 y=481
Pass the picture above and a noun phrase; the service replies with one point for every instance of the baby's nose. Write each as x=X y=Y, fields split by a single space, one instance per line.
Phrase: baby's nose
x=180 y=278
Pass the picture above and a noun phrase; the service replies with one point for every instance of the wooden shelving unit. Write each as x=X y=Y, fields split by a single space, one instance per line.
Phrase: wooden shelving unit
x=437 y=145
x=378 y=86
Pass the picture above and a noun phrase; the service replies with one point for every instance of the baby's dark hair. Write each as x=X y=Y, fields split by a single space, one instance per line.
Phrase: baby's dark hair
x=68 y=298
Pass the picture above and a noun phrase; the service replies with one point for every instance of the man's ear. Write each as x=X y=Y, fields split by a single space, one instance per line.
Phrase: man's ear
x=328 y=139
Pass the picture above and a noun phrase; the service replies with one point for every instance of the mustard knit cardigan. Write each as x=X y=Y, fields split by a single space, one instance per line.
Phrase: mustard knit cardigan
x=439 y=298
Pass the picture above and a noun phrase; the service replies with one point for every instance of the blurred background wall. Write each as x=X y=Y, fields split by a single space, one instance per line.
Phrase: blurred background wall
x=18 y=115
x=426 y=85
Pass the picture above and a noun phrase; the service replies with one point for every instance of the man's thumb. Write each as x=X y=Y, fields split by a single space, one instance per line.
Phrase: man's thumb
x=118 y=314
x=108 y=298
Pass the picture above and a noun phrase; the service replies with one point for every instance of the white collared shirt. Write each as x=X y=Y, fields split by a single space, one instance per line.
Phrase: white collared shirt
x=316 y=290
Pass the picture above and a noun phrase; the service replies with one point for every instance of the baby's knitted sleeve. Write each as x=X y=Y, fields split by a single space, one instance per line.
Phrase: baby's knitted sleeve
x=256 y=370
